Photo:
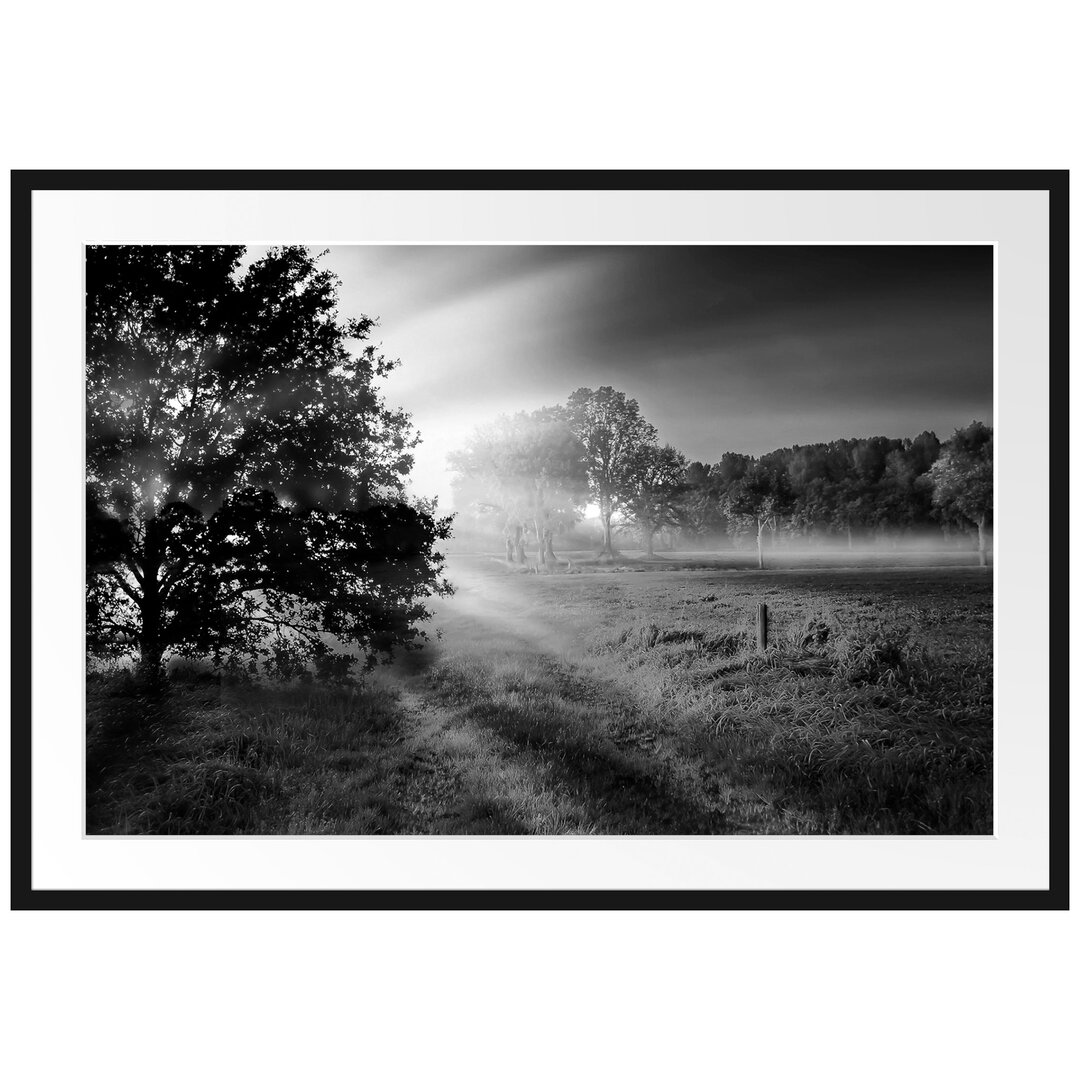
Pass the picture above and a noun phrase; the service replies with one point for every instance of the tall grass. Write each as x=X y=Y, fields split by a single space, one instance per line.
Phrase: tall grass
x=617 y=703
x=238 y=759
x=842 y=724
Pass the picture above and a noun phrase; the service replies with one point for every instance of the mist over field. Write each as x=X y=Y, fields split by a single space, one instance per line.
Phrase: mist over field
x=540 y=539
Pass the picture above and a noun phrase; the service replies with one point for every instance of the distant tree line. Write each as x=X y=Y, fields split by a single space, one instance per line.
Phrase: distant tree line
x=535 y=473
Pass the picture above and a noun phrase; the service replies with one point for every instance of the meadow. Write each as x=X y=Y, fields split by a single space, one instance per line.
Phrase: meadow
x=619 y=699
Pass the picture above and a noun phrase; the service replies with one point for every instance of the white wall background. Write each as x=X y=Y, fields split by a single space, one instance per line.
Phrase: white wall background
x=827 y=85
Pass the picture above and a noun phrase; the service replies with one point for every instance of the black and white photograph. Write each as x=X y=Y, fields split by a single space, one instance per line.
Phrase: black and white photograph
x=540 y=539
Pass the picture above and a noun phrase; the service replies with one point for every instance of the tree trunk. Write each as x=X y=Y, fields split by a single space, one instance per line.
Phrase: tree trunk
x=149 y=669
x=540 y=530
x=649 y=541
x=760 y=554
x=549 y=552
x=151 y=647
x=606 y=548
x=982 y=541
x=515 y=544
x=849 y=537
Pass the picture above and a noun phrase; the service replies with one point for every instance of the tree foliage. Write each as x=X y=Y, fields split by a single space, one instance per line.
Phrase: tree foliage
x=244 y=477
x=963 y=479
x=658 y=485
x=529 y=470
x=758 y=497
x=614 y=436
x=835 y=488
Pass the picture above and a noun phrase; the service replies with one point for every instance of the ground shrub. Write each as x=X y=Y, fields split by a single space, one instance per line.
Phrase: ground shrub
x=871 y=655
x=811 y=635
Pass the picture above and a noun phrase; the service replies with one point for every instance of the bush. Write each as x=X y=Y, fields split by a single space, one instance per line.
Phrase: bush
x=871 y=656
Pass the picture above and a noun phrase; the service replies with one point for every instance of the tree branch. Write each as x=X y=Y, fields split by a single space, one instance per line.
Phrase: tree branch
x=118 y=577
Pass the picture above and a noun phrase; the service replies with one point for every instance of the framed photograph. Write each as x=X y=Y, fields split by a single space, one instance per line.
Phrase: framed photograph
x=540 y=540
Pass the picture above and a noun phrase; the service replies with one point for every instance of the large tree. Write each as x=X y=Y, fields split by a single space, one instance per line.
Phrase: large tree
x=612 y=431
x=963 y=479
x=656 y=499
x=529 y=471
x=244 y=477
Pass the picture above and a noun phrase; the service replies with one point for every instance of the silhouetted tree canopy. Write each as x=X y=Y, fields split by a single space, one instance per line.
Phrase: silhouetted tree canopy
x=244 y=477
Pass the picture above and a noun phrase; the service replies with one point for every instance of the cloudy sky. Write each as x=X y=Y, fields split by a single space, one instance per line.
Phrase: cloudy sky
x=725 y=348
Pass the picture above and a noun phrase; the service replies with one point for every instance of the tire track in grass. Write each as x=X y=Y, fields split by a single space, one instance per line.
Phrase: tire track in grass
x=543 y=736
x=537 y=738
x=464 y=778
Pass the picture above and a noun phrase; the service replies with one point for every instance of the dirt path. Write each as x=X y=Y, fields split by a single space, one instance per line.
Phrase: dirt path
x=511 y=728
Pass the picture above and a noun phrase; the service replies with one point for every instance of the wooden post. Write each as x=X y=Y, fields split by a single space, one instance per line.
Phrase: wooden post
x=763 y=626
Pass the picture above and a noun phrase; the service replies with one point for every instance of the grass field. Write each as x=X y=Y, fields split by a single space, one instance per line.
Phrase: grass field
x=632 y=699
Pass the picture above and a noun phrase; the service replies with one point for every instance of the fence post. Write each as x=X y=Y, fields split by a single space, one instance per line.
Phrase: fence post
x=763 y=626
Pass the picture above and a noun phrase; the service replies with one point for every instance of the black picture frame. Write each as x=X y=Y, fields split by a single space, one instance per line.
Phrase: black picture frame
x=24 y=897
